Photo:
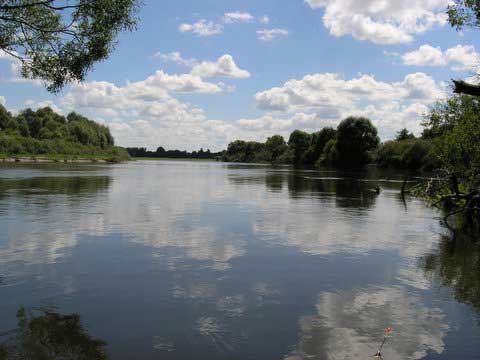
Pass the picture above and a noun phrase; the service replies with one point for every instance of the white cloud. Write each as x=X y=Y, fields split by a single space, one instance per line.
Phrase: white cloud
x=460 y=57
x=237 y=17
x=2 y=100
x=225 y=66
x=465 y=56
x=381 y=21
x=176 y=58
x=328 y=97
x=264 y=19
x=184 y=83
x=327 y=91
x=426 y=55
x=271 y=34
x=202 y=28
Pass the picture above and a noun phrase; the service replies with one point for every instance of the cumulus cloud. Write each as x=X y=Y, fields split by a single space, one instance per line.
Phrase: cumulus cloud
x=176 y=58
x=224 y=67
x=237 y=17
x=329 y=96
x=326 y=91
x=460 y=57
x=381 y=21
x=184 y=83
x=271 y=34
x=202 y=28
x=264 y=19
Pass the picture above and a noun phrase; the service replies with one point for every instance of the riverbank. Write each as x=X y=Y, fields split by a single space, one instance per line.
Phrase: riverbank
x=170 y=159
x=57 y=159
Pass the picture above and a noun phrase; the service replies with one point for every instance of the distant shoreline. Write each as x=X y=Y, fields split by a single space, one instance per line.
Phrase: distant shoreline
x=170 y=159
x=59 y=159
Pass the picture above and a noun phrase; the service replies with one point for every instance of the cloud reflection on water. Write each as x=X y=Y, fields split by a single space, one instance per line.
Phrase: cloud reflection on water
x=348 y=325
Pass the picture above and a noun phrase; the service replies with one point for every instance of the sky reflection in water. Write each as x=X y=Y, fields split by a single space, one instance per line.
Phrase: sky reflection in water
x=183 y=260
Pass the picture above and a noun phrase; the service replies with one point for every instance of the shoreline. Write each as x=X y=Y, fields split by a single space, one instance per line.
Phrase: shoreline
x=36 y=160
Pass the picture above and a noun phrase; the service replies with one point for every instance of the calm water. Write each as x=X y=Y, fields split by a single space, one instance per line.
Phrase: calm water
x=198 y=260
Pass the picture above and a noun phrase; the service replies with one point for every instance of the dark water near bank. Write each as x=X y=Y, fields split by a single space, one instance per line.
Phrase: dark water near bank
x=196 y=260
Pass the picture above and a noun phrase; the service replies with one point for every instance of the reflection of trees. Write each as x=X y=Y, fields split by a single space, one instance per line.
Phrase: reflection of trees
x=274 y=182
x=348 y=192
x=61 y=185
x=457 y=264
x=45 y=335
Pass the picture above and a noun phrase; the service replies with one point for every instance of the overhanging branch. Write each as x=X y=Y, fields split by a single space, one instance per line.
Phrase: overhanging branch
x=462 y=87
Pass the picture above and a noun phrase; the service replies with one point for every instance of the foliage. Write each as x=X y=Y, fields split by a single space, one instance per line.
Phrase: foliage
x=59 y=41
x=330 y=153
x=245 y=151
x=410 y=154
x=275 y=146
x=445 y=115
x=172 y=154
x=304 y=149
x=404 y=134
x=456 y=126
x=46 y=334
x=356 y=136
x=317 y=144
x=44 y=132
x=460 y=151
x=464 y=13
x=299 y=142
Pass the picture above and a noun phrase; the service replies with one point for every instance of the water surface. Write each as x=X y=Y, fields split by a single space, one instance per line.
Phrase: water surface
x=199 y=260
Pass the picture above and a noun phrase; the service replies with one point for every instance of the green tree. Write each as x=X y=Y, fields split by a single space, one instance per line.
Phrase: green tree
x=330 y=153
x=446 y=115
x=460 y=151
x=274 y=147
x=317 y=144
x=299 y=142
x=356 y=136
x=455 y=124
x=464 y=13
x=404 y=134
x=5 y=116
x=59 y=41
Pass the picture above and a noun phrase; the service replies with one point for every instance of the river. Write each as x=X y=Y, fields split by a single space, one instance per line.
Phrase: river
x=206 y=260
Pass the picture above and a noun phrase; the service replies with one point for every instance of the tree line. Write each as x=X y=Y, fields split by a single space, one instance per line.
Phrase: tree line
x=44 y=132
x=350 y=144
x=142 y=152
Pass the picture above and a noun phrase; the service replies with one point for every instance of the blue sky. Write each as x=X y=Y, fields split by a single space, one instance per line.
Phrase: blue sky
x=203 y=73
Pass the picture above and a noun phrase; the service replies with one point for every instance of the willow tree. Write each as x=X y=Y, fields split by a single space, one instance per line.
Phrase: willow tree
x=59 y=41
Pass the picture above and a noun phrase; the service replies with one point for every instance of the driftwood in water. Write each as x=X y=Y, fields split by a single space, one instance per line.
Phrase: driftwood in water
x=462 y=87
